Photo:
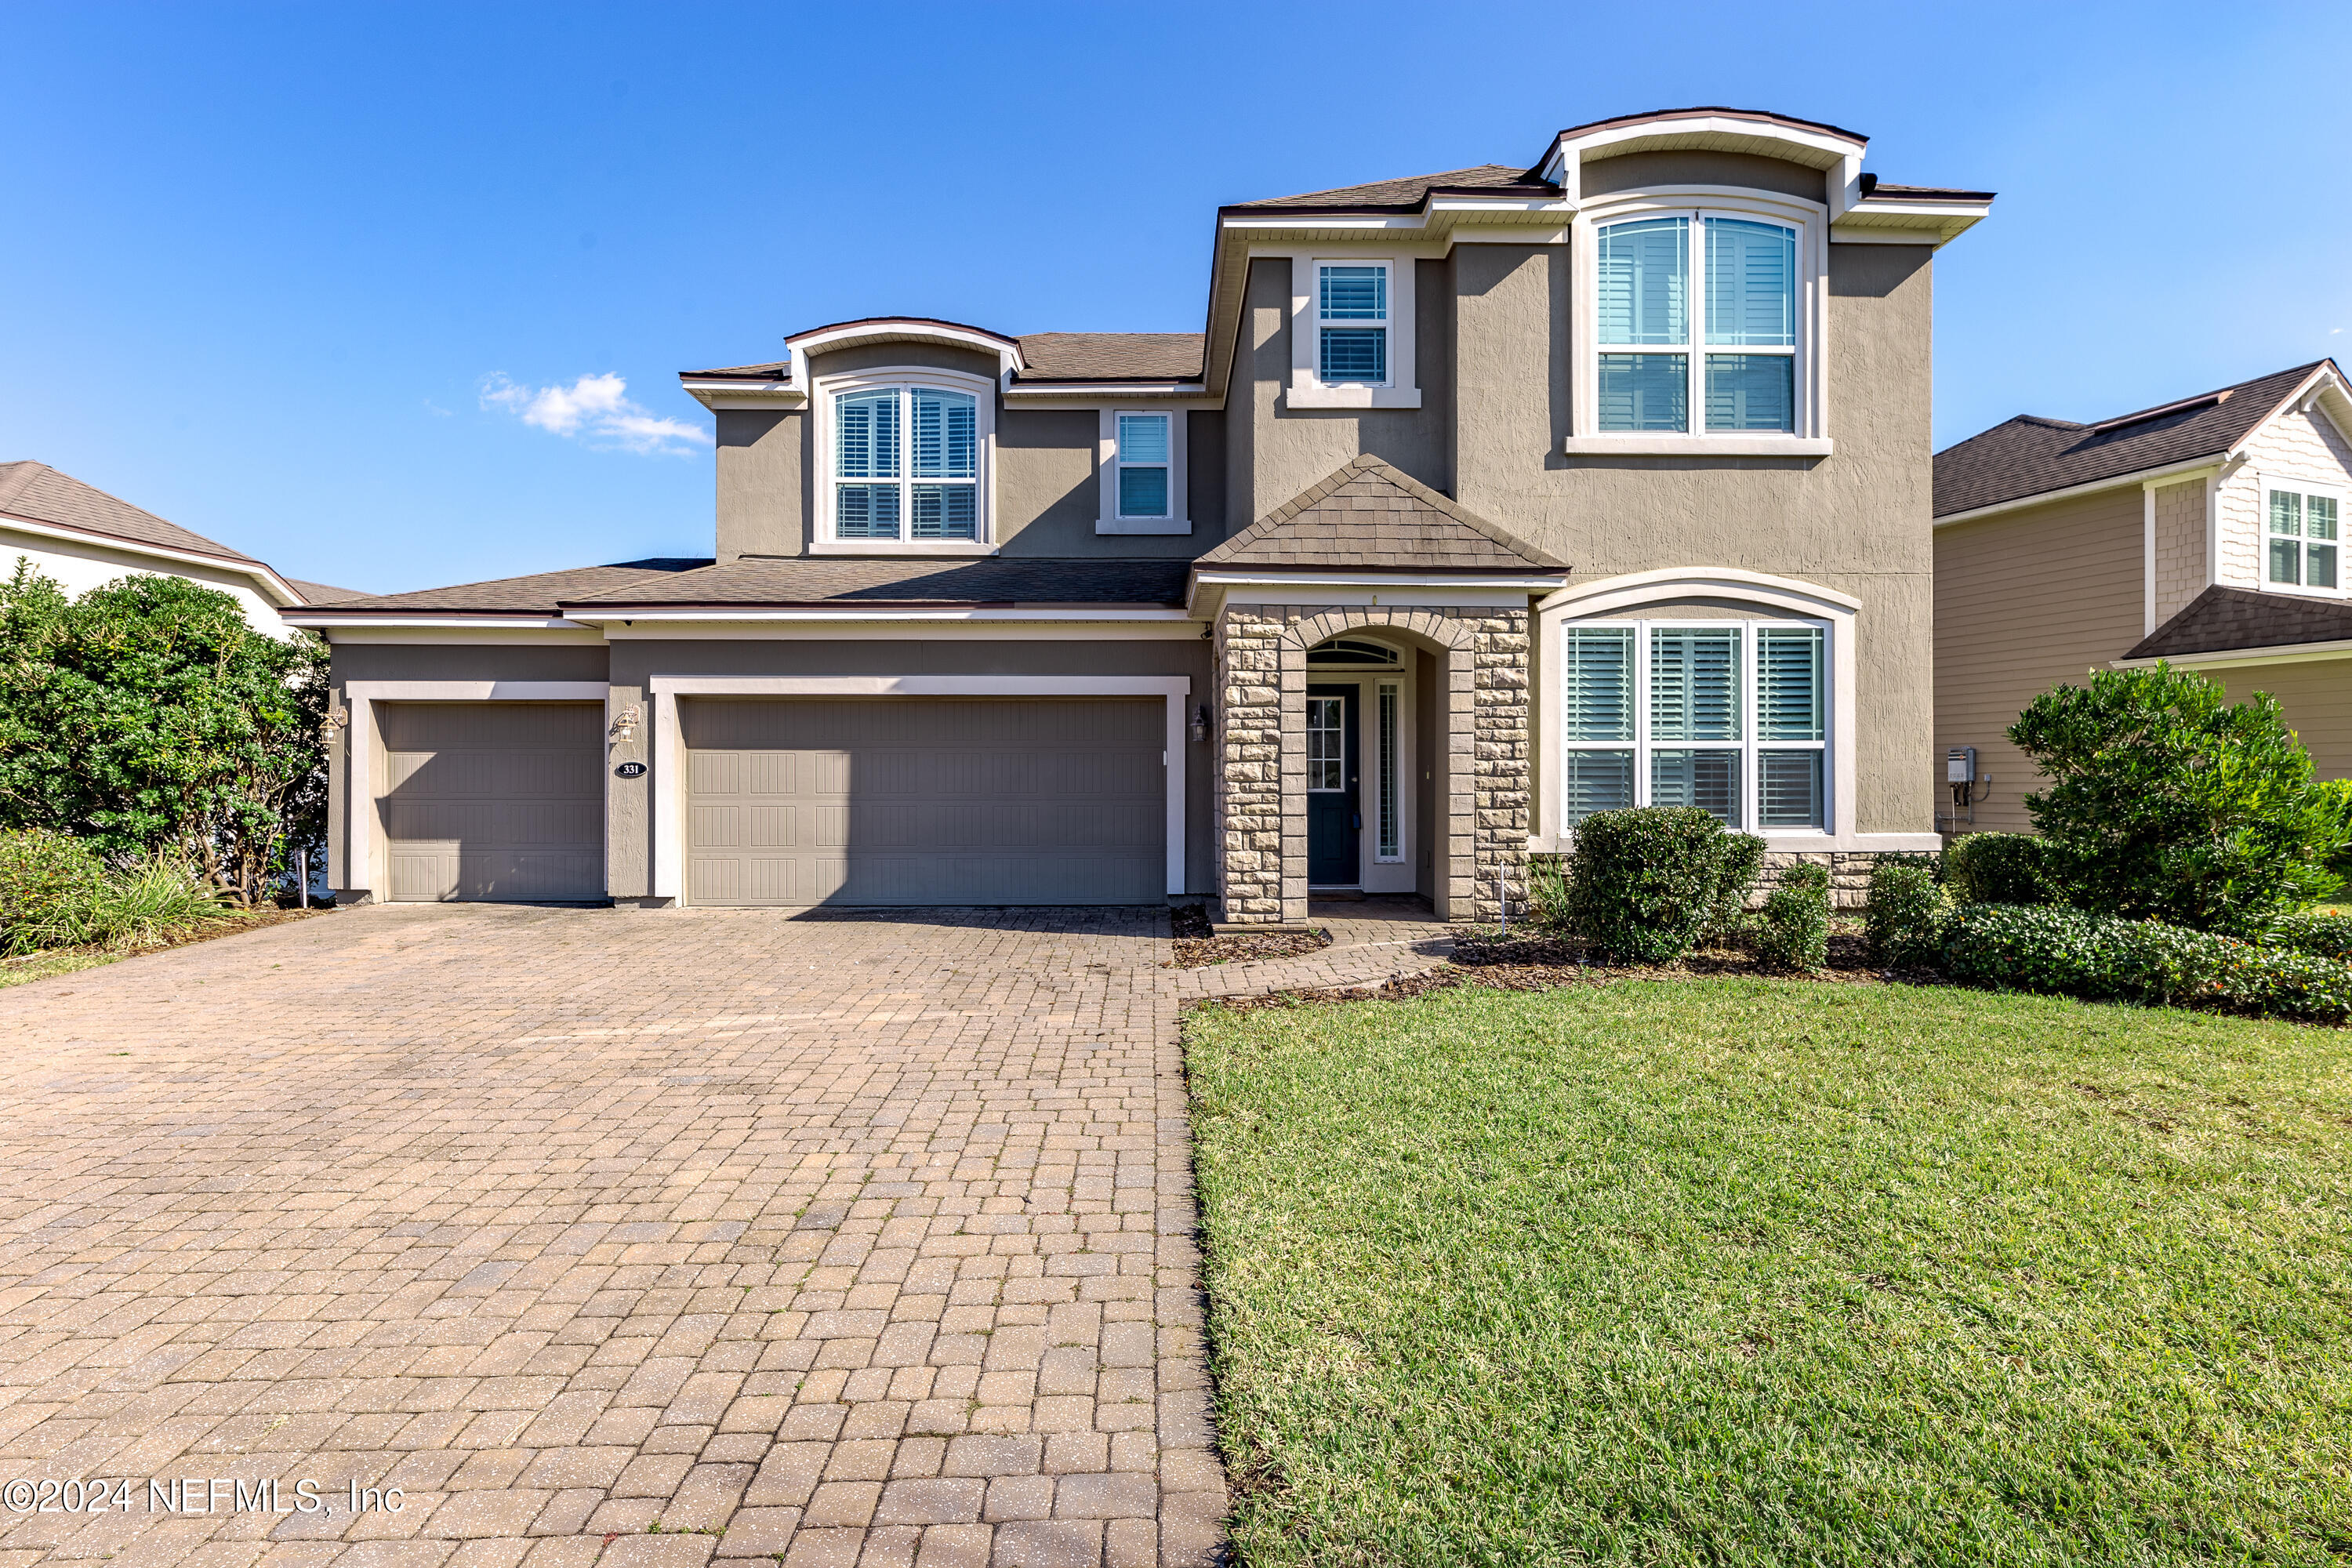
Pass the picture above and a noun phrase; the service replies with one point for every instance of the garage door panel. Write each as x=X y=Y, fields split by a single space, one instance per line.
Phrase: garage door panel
x=493 y=801
x=927 y=801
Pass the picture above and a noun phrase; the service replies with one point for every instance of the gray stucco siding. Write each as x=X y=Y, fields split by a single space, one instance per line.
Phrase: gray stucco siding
x=635 y=662
x=1650 y=171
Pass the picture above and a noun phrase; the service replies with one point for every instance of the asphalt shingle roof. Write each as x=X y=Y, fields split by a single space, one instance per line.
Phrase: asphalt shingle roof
x=537 y=594
x=1369 y=516
x=2030 y=454
x=850 y=580
x=1111 y=356
x=2224 y=620
x=1409 y=190
x=38 y=493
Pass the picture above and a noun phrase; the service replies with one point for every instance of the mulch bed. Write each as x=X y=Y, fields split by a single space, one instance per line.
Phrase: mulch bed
x=1548 y=962
x=1197 y=946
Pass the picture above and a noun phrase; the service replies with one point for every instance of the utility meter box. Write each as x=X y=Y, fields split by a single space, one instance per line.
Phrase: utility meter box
x=1961 y=765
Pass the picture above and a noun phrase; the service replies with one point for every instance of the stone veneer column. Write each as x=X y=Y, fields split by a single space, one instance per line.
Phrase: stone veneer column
x=1260 y=811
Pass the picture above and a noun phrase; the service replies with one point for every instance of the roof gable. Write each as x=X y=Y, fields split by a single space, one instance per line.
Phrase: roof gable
x=1369 y=516
x=38 y=493
x=2031 y=456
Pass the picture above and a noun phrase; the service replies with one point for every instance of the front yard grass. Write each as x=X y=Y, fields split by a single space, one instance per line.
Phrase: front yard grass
x=1751 y=1271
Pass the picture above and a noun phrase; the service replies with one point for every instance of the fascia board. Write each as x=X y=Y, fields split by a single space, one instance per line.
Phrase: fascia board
x=2279 y=653
x=1313 y=579
x=327 y=619
x=713 y=613
x=2186 y=469
x=259 y=571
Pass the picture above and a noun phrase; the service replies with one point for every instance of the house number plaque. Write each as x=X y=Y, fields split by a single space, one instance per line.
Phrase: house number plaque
x=631 y=769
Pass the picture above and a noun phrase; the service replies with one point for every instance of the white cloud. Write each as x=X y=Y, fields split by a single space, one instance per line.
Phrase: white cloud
x=595 y=409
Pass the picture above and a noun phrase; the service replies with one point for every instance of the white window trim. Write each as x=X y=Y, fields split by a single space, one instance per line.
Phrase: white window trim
x=360 y=846
x=665 y=738
x=1627 y=597
x=1306 y=390
x=2333 y=489
x=830 y=388
x=1810 y=220
x=1749 y=742
x=1178 y=518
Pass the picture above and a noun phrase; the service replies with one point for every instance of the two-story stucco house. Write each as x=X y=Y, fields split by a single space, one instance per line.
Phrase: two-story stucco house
x=2204 y=531
x=1489 y=498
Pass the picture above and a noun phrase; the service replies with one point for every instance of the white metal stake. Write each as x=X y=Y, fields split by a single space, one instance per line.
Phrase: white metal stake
x=302 y=869
x=1502 y=901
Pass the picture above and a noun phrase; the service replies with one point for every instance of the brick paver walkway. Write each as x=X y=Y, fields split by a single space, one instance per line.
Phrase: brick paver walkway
x=615 y=1237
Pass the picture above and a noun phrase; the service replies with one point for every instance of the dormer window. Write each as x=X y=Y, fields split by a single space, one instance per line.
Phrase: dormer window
x=906 y=461
x=1351 y=315
x=1703 y=328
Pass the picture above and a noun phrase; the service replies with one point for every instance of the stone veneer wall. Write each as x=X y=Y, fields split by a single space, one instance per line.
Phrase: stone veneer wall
x=1259 y=813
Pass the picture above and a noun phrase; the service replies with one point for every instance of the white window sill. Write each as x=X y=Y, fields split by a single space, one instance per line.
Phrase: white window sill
x=1315 y=395
x=900 y=547
x=1666 y=444
x=1144 y=525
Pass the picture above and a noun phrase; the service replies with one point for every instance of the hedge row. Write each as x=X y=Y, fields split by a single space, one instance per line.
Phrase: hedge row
x=2106 y=958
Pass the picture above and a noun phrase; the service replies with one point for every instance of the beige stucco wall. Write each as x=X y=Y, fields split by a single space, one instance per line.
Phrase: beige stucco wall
x=2179 y=546
x=1048 y=484
x=2024 y=602
x=1855 y=522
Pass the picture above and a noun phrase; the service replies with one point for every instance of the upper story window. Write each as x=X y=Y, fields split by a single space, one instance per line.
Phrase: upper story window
x=1351 y=315
x=906 y=460
x=1701 y=330
x=1143 y=455
x=1652 y=320
x=1728 y=716
x=2302 y=527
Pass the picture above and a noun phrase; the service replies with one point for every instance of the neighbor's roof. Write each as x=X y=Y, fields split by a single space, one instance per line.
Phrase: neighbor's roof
x=1368 y=516
x=2224 y=620
x=845 y=581
x=38 y=493
x=537 y=594
x=2030 y=455
x=1411 y=190
x=320 y=592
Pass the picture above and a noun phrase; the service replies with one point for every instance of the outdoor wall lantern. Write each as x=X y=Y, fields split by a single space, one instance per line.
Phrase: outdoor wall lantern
x=336 y=719
x=1200 y=722
x=624 y=728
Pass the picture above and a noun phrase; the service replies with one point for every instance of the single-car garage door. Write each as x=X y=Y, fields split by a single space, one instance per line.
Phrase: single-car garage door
x=493 y=800
x=916 y=800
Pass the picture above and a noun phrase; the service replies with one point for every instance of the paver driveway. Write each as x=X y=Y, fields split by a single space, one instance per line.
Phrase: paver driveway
x=864 y=1240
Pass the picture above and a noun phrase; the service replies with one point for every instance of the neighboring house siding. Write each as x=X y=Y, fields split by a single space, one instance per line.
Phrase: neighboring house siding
x=2179 y=547
x=1856 y=521
x=2026 y=602
x=78 y=567
x=2295 y=446
x=2315 y=696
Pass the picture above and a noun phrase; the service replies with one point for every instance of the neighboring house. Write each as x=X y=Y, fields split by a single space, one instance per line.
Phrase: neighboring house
x=80 y=537
x=1489 y=498
x=2205 y=531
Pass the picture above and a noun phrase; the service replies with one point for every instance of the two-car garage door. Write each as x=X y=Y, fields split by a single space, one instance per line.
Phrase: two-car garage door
x=910 y=800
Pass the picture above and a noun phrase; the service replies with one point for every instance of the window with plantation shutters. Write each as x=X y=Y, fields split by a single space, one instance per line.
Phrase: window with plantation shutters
x=1731 y=717
x=1699 y=326
x=1352 y=312
x=905 y=463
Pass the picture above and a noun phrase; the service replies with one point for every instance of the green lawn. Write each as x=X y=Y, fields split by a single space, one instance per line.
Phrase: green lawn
x=1753 y=1271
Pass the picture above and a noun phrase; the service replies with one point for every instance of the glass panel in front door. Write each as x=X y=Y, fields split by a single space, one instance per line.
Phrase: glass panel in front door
x=1326 y=744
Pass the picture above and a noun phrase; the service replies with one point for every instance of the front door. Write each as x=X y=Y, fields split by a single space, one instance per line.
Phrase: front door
x=1334 y=814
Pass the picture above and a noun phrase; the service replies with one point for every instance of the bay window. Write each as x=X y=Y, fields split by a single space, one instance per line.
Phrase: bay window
x=904 y=464
x=2302 y=538
x=1727 y=716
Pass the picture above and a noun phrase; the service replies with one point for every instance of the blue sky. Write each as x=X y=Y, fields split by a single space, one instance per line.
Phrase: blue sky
x=299 y=276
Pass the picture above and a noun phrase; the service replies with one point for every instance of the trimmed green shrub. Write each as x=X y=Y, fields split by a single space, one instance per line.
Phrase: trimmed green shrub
x=1792 y=930
x=1546 y=892
x=42 y=876
x=2168 y=802
x=1908 y=916
x=2000 y=868
x=1643 y=884
x=2321 y=935
x=1743 y=862
x=2106 y=958
x=2337 y=793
